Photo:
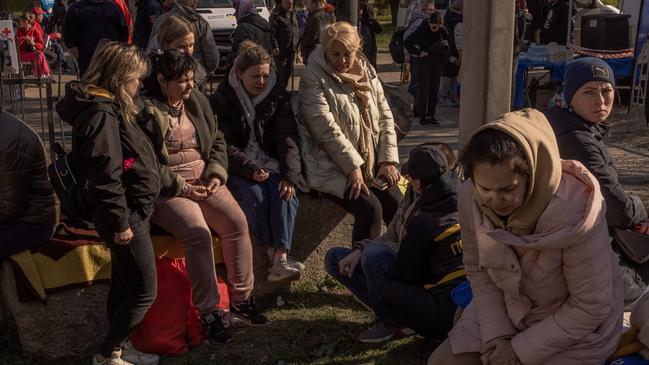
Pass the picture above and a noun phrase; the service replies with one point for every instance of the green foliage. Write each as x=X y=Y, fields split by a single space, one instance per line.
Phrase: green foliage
x=16 y=6
x=611 y=2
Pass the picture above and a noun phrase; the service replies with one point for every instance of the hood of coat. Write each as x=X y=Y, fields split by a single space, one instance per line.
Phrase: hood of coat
x=576 y=209
x=318 y=58
x=78 y=97
x=186 y=12
x=564 y=120
x=532 y=131
x=257 y=21
x=441 y=195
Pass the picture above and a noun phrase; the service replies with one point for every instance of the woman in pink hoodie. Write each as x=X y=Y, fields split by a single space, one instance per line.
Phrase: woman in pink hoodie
x=546 y=285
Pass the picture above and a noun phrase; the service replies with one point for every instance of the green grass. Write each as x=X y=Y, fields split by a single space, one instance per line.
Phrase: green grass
x=312 y=327
x=611 y=2
x=383 y=39
x=16 y=6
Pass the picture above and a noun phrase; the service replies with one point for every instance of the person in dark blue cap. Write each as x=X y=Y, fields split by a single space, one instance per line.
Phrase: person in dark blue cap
x=580 y=128
x=406 y=276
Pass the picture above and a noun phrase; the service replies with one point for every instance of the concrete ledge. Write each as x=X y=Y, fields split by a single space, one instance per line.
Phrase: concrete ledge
x=320 y=225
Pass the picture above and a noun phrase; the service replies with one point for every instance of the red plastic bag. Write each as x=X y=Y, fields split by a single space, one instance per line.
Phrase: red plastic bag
x=172 y=323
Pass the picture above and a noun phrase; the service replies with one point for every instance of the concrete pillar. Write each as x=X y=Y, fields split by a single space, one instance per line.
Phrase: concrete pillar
x=487 y=61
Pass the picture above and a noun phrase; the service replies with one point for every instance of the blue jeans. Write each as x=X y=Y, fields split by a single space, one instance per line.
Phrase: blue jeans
x=271 y=219
x=369 y=277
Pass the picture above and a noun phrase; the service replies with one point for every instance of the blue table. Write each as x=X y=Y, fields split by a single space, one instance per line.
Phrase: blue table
x=622 y=67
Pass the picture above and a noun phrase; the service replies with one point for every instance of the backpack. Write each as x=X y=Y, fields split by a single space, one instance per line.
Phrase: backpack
x=396 y=45
x=69 y=186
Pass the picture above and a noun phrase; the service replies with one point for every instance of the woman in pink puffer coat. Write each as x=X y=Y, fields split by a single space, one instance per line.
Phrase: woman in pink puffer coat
x=546 y=286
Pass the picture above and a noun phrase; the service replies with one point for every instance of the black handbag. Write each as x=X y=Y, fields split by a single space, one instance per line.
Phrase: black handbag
x=634 y=245
x=69 y=186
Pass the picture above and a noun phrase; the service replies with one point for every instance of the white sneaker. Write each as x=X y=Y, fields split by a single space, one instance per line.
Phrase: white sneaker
x=281 y=270
x=295 y=264
x=132 y=355
x=114 y=359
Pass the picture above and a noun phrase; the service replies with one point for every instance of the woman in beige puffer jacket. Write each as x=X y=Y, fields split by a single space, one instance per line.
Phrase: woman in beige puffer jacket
x=347 y=131
x=546 y=285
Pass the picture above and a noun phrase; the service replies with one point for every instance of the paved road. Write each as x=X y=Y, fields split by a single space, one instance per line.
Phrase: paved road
x=389 y=73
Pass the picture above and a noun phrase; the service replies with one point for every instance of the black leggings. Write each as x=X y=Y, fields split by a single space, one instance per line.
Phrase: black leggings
x=368 y=210
x=428 y=78
x=133 y=286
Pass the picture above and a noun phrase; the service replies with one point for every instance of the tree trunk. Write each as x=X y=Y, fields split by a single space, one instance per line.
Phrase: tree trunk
x=394 y=11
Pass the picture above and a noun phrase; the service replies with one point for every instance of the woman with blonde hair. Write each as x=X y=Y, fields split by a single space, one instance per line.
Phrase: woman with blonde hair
x=176 y=32
x=349 y=143
x=114 y=156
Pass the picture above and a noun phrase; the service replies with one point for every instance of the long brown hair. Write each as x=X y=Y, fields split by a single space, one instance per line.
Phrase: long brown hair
x=114 y=64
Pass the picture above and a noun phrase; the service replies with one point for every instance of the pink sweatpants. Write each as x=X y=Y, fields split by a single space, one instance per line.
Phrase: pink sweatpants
x=190 y=222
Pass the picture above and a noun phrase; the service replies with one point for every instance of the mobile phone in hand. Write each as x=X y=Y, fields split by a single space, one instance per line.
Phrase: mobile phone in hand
x=380 y=183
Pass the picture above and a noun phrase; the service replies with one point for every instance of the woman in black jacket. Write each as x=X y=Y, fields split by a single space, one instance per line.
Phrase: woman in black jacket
x=429 y=42
x=580 y=130
x=251 y=26
x=121 y=167
x=261 y=132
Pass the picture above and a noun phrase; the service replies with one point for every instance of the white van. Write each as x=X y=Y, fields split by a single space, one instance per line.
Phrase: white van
x=220 y=15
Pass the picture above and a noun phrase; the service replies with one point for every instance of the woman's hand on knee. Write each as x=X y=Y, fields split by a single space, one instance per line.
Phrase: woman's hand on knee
x=390 y=172
x=286 y=190
x=355 y=184
x=348 y=264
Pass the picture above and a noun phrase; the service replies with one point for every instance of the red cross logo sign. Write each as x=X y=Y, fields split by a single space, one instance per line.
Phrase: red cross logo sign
x=6 y=32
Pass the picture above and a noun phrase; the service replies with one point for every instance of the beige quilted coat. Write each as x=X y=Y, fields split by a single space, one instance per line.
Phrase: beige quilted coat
x=329 y=126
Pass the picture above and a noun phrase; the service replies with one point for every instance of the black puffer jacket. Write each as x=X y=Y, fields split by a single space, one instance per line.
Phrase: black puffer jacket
x=274 y=117
x=430 y=246
x=287 y=33
x=120 y=162
x=25 y=191
x=583 y=141
x=89 y=21
x=311 y=36
x=256 y=29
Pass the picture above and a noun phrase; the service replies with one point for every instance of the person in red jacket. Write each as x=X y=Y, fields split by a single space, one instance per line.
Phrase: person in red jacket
x=30 y=45
x=54 y=37
x=123 y=8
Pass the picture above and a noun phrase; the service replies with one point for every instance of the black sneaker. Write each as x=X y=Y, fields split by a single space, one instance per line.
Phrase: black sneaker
x=247 y=313
x=429 y=121
x=214 y=328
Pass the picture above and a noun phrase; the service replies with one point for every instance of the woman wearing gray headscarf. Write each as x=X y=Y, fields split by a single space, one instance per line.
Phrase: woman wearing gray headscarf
x=251 y=26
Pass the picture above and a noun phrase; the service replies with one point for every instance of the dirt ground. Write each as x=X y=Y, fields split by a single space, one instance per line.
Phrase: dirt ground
x=629 y=147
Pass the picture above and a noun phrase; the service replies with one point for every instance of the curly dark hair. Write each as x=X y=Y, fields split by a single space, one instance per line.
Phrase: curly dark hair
x=171 y=64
